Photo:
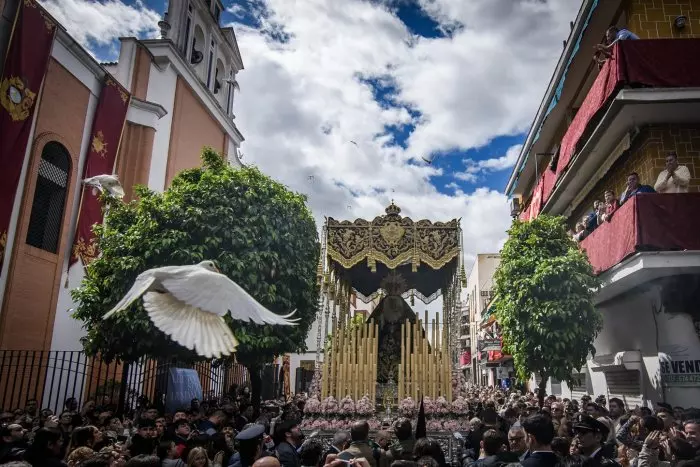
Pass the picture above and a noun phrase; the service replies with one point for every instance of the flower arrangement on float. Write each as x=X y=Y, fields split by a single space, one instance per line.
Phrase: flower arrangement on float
x=330 y=414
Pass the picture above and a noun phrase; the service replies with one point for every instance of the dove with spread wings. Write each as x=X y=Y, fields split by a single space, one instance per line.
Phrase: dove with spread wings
x=108 y=183
x=188 y=303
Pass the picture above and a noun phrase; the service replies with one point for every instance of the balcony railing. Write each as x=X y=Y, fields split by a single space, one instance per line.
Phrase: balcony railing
x=647 y=222
x=657 y=63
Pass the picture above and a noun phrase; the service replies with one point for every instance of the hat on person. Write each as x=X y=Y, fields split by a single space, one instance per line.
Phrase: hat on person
x=587 y=423
x=250 y=433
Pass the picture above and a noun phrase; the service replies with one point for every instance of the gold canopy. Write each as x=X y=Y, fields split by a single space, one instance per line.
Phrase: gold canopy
x=393 y=240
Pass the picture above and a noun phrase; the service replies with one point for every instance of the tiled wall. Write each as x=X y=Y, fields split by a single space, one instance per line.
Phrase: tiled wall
x=653 y=19
x=647 y=157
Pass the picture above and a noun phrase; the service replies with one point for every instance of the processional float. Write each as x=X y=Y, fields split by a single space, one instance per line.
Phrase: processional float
x=388 y=261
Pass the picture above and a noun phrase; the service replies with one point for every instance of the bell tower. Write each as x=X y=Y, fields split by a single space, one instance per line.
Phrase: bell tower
x=212 y=52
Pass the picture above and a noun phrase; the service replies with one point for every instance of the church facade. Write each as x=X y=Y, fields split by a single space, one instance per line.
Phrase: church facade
x=179 y=91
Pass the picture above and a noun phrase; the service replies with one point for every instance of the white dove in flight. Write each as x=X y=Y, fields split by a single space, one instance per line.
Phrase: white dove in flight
x=108 y=183
x=188 y=303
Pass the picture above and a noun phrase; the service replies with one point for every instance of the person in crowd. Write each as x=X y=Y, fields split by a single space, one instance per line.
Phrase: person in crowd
x=168 y=455
x=14 y=442
x=591 y=436
x=691 y=428
x=517 y=440
x=45 y=450
x=634 y=187
x=429 y=448
x=267 y=461
x=245 y=416
x=198 y=458
x=540 y=433
x=402 y=450
x=78 y=456
x=674 y=178
x=250 y=446
x=359 y=444
x=616 y=411
x=143 y=441
x=287 y=439
x=311 y=452
x=341 y=441
x=561 y=447
x=212 y=424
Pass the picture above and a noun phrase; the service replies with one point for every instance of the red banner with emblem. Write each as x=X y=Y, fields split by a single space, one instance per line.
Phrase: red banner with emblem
x=25 y=66
x=107 y=127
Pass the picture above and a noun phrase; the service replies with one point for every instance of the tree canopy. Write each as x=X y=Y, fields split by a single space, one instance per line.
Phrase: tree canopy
x=544 y=300
x=259 y=233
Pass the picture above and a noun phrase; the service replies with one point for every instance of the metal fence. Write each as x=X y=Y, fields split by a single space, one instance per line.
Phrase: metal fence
x=53 y=377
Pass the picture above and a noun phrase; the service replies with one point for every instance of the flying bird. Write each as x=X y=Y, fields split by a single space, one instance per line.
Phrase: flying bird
x=108 y=183
x=428 y=161
x=188 y=303
x=354 y=143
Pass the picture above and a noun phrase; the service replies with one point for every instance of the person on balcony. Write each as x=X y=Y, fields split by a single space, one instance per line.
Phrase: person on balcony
x=634 y=187
x=675 y=178
x=612 y=36
x=580 y=231
x=611 y=205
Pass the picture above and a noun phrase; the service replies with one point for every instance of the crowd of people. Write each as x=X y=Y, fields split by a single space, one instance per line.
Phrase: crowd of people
x=506 y=428
x=673 y=179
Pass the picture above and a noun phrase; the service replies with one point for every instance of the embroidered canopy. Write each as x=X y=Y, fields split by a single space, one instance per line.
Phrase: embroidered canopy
x=426 y=254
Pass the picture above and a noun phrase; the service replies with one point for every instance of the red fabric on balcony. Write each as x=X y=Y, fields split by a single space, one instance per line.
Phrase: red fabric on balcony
x=647 y=222
x=607 y=81
x=666 y=63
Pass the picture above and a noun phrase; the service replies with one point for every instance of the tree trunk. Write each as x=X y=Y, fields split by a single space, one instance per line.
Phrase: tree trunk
x=255 y=387
x=541 y=389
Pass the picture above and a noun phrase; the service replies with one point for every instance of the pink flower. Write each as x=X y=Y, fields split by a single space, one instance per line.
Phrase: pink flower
x=441 y=406
x=312 y=406
x=407 y=407
x=428 y=405
x=329 y=405
x=364 y=406
x=434 y=425
x=347 y=406
x=374 y=424
x=450 y=425
x=460 y=406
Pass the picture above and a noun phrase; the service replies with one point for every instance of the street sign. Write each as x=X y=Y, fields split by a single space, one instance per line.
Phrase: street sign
x=489 y=345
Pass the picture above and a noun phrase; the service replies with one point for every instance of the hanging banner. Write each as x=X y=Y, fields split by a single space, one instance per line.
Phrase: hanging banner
x=26 y=63
x=107 y=127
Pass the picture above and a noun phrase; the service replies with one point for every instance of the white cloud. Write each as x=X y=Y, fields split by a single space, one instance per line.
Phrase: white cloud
x=476 y=168
x=302 y=102
x=102 y=22
x=503 y=162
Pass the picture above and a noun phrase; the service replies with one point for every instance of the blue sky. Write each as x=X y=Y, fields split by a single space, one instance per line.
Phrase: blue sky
x=453 y=81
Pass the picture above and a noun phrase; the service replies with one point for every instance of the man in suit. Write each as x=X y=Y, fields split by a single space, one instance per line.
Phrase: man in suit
x=540 y=432
x=359 y=444
x=287 y=438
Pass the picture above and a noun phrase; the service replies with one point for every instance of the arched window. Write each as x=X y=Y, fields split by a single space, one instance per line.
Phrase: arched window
x=49 y=198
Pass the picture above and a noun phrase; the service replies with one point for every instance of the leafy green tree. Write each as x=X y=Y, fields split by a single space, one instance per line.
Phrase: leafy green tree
x=259 y=233
x=545 y=287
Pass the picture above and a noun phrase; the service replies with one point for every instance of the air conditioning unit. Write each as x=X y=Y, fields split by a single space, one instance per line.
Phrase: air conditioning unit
x=515 y=206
